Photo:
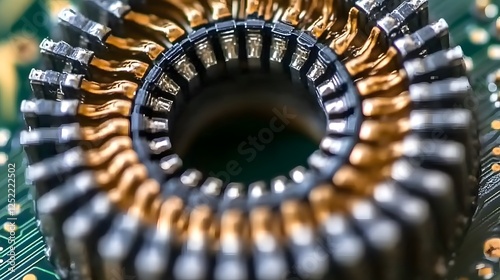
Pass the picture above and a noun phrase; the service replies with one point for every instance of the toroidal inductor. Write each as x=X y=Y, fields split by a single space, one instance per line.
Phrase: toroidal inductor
x=384 y=196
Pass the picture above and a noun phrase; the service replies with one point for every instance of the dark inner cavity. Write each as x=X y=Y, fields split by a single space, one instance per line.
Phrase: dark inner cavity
x=249 y=127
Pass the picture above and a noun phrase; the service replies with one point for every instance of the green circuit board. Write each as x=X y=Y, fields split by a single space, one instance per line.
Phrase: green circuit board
x=23 y=23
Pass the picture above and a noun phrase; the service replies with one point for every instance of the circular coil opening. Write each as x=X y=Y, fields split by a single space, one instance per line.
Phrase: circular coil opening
x=234 y=127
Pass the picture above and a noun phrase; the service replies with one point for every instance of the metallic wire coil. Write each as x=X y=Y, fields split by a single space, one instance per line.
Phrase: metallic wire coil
x=385 y=195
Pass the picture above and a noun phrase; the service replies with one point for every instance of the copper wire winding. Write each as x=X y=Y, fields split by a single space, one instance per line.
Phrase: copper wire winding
x=384 y=95
x=379 y=77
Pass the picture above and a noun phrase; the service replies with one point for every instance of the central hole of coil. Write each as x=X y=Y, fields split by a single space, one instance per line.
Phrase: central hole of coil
x=249 y=127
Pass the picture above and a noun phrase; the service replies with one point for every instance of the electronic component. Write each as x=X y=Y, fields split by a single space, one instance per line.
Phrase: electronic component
x=390 y=185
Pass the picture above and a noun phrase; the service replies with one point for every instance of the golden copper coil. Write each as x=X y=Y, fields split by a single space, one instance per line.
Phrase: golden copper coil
x=267 y=10
x=192 y=10
x=296 y=216
x=239 y=9
x=325 y=21
x=97 y=157
x=172 y=217
x=253 y=7
x=387 y=63
x=324 y=200
x=118 y=89
x=167 y=28
x=383 y=132
x=134 y=48
x=112 y=127
x=136 y=68
x=112 y=108
x=360 y=181
x=383 y=87
x=385 y=106
x=233 y=224
x=123 y=192
x=120 y=172
x=220 y=9
x=342 y=43
x=365 y=155
x=107 y=176
x=234 y=231
x=366 y=57
x=485 y=271
x=146 y=202
x=385 y=84
x=201 y=225
x=264 y=224
x=293 y=13
x=313 y=10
